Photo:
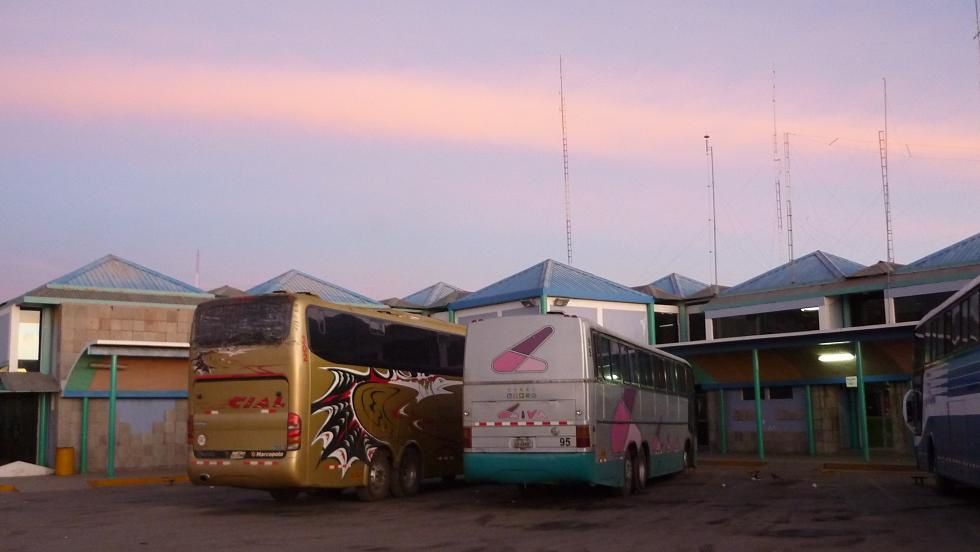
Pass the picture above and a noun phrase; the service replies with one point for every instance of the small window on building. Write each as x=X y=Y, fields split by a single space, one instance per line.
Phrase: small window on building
x=748 y=394
x=914 y=307
x=780 y=393
x=695 y=326
x=666 y=325
x=29 y=341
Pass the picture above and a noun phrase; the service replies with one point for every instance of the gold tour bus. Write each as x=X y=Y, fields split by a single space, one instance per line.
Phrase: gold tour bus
x=289 y=393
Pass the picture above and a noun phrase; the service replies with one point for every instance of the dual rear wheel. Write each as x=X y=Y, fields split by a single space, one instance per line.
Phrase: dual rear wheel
x=383 y=479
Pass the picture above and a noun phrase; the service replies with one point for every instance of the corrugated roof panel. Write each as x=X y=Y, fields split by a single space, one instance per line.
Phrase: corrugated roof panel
x=555 y=280
x=115 y=273
x=432 y=294
x=679 y=285
x=816 y=268
x=963 y=252
x=294 y=281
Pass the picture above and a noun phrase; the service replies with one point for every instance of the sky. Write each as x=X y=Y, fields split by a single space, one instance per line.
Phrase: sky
x=386 y=146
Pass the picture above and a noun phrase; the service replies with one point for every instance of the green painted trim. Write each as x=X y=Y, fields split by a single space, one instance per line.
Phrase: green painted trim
x=846 y=311
x=810 y=437
x=47 y=329
x=42 y=430
x=111 y=453
x=758 y=404
x=723 y=418
x=452 y=316
x=543 y=304
x=651 y=325
x=57 y=301
x=83 y=454
x=132 y=290
x=862 y=405
x=532 y=467
x=81 y=375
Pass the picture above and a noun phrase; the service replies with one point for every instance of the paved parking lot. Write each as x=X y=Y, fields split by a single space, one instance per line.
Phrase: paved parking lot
x=710 y=509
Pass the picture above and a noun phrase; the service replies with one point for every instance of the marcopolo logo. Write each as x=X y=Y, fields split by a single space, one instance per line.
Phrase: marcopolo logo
x=518 y=358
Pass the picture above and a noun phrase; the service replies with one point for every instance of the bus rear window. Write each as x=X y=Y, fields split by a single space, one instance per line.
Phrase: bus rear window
x=235 y=322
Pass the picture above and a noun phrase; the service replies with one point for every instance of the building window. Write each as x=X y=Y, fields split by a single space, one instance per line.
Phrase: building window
x=29 y=341
x=867 y=309
x=776 y=322
x=768 y=393
x=695 y=326
x=914 y=307
x=666 y=324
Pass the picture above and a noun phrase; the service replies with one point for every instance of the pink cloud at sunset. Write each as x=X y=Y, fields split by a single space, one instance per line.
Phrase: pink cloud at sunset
x=414 y=107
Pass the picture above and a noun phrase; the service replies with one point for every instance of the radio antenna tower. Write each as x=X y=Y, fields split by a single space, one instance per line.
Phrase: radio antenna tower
x=789 y=197
x=709 y=152
x=564 y=155
x=777 y=169
x=883 y=154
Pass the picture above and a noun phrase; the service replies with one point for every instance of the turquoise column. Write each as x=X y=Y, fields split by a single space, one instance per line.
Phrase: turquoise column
x=651 y=326
x=111 y=453
x=862 y=405
x=723 y=418
x=811 y=442
x=83 y=454
x=758 y=403
x=846 y=308
x=452 y=316
x=544 y=304
x=42 y=430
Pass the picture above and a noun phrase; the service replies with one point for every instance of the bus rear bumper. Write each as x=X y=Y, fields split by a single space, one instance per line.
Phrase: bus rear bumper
x=531 y=467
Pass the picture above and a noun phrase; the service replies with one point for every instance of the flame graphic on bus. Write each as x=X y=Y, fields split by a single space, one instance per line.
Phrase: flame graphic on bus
x=518 y=358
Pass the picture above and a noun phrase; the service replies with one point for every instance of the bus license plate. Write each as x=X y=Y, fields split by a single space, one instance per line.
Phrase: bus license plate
x=522 y=443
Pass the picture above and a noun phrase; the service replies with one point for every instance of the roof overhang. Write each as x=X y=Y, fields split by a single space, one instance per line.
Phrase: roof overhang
x=146 y=349
x=877 y=332
x=28 y=382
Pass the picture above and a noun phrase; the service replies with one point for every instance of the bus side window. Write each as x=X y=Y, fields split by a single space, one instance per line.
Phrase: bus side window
x=660 y=372
x=672 y=376
x=616 y=361
x=975 y=315
x=644 y=371
x=602 y=358
x=631 y=365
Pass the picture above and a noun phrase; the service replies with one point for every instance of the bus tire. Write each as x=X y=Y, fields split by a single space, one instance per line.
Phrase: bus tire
x=629 y=472
x=405 y=481
x=642 y=469
x=284 y=495
x=378 y=483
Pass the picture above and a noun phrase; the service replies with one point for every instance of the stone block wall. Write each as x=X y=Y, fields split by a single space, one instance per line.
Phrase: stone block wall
x=78 y=325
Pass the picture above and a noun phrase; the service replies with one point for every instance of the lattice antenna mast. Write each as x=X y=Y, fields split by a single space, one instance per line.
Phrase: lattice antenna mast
x=709 y=152
x=564 y=155
x=883 y=155
x=776 y=161
x=976 y=8
x=789 y=197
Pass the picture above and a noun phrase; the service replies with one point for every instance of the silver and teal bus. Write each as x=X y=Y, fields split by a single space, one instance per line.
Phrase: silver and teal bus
x=557 y=399
x=943 y=406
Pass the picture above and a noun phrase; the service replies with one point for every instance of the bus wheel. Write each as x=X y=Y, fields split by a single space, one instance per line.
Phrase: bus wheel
x=642 y=473
x=378 y=478
x=629 y=472
x=284 y=495
x=406 y=481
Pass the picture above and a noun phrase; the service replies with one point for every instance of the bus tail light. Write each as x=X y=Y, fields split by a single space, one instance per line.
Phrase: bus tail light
x=582 y=438
x=467 y=437
x=294 y=431
x=190 y=430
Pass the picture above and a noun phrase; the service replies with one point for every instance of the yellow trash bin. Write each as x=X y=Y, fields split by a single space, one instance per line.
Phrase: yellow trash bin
x=64 y=461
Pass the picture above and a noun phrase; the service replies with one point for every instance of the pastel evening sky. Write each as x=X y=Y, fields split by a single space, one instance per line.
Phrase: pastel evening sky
x=385 y=146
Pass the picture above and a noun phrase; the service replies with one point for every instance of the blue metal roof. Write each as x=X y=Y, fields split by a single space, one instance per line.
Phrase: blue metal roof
x=813 y=269
x=963 y=252
x=553 y=279
x=295 y=281
x=112 y=273
x=432 y=294
x=679 y=285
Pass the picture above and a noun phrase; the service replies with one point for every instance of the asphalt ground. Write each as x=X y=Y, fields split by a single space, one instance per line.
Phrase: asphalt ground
x=713 y=508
